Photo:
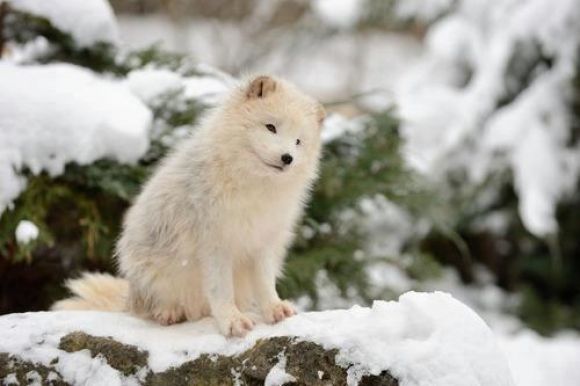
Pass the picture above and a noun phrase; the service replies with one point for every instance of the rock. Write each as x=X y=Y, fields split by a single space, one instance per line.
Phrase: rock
x=307 y=362
x=17 y=371
x=126 y=358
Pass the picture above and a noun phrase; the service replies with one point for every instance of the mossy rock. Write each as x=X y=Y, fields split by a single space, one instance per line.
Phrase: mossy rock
x=123 y=357
x=309 y=363
x=13 y=369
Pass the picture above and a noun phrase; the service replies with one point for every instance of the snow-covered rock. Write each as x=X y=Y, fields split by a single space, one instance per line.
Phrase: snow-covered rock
x=87 y=21
x=59 y=113
x=424 y=339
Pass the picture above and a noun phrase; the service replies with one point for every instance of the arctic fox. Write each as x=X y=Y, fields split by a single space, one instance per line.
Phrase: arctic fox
x=209 y=231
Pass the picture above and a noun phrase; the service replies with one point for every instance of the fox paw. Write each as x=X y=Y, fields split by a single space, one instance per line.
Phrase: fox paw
x=236 y=324
x=168 y=316
x=276 y=312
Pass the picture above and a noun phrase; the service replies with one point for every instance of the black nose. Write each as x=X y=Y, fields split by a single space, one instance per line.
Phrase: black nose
x=287 y=158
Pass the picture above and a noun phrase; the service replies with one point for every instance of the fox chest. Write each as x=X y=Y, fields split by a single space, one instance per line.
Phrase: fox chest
x=252 y=226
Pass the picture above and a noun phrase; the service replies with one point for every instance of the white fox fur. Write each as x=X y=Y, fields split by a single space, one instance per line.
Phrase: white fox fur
x=209 y=231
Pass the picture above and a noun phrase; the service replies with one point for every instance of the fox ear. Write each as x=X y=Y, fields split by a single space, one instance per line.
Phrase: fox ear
x=320 y=113
x=260 y=87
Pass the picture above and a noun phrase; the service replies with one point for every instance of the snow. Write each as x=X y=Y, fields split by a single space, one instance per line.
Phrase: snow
x=338 y=13
x=59 y=113
x=387 y=225
x=424 y=339
x=26 y=231
x=10 y=379
x=330 y=67
x=538 y=159
x=150 y=83
x=424 y=10
x=538 y=361
x=277 y=376
x=205 y=88
x=336 y=125
x=452 y=96
x=534 y=360
x=87 y=21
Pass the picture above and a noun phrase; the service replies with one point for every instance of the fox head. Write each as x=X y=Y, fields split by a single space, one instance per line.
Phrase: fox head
x=271 y=129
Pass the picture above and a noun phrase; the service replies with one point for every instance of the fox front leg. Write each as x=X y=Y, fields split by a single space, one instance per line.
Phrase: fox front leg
x=218 y=287
x=264 y=274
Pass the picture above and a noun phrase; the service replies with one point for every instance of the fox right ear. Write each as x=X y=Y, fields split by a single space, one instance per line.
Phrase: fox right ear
x=260 y=87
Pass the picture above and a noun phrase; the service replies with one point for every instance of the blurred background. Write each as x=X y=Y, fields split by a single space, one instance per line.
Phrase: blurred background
x=451 y=161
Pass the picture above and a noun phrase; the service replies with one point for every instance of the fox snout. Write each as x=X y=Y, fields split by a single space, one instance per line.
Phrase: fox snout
x=286 y=159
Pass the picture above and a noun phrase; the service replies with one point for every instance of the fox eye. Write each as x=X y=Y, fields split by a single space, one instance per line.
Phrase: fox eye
x=298 y=142
x=271 y=128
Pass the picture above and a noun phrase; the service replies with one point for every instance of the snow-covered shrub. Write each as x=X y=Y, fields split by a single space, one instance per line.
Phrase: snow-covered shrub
x=60 y=113
x=80 y=138
x=78 y=32
x=495 y=91
x=488 y=116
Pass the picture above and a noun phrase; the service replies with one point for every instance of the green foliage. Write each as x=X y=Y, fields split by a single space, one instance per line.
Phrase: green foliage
x=355 y=165
x=79 y=213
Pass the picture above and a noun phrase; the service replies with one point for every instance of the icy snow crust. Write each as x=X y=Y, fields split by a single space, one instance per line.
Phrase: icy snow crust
x=424 y=339
x=59 y=113
x=87 y=21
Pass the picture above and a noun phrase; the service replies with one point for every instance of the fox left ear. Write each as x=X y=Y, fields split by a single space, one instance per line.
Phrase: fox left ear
x=260 y=87
x=320 y=114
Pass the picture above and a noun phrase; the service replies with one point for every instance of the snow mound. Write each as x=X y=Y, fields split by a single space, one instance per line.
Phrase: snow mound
x=87 y=21
x=59 y=113
x=424 y=339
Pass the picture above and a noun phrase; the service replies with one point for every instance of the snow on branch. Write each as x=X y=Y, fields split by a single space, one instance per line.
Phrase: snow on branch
x=58 y=113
